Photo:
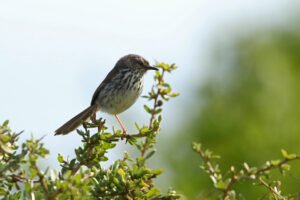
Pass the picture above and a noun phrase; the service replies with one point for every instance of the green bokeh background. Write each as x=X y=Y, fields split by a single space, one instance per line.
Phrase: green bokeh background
x=249 y=109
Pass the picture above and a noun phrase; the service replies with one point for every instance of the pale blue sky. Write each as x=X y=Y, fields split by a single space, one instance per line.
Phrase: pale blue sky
x=54 y=54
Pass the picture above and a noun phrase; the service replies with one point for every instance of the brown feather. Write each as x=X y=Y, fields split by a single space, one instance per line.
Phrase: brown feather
x=110 y=76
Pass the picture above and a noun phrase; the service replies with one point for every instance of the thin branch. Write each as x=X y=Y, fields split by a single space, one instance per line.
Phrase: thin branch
x=42 y=178
x=208 y=163
x=137 y=135
x=153 y=112
x=84 y=162
x=270 y=188
x=260 y=171
x=32 y=192
x=233 y=179
x=91 y=147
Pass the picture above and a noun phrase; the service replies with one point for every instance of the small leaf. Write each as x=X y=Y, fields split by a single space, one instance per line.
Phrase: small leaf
x=77 y=178
x=164 y=97
x=147 y=109
x=159 y=118
x=5 y=138
x=157 y=171
x=174 y=94
x=196 y=146
x=145 y=130
x=275 y=162
x=286 y=167
x=137 y=126
x=291 y=156
x=132 y=140
x=103 y=158
x=5 y=123
x=118 y=132
x=220 y=184
x=284 y=153
x=150 y=154
x=158 y=111
x=153 y=192
x=72 y=163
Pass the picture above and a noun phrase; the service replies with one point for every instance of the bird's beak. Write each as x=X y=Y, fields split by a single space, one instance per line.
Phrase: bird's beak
x=151 y=68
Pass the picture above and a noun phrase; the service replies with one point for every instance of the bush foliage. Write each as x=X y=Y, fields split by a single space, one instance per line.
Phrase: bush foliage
x=83 y=177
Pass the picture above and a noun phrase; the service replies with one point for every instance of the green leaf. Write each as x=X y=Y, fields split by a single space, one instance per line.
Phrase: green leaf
x=145 y=130
x=107 y=145
x=286 y=167
x=72 y=163
x=174 y=94
x=60 y=158
x=275 y=162
x=147 y=109
x=158 y=111
x=140 y=160
x=27 y=187
x=196 y=146
x=284 y=153
x=220 y=184
x=5 y=138
x=291 y=156
x=5 y=123
x=153 y=192
x=157 y=171
x=159 y=118
x=137 y=126
x=103 y=158
x=132 y=140
x=150 y=154
x=77 y=178
x=127 y=157
x=164 y=97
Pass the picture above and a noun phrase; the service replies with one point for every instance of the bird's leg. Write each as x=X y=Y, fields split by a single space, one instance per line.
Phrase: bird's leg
x=124 y=131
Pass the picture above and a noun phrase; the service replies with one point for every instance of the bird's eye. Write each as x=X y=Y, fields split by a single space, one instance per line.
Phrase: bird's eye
x=140 y=62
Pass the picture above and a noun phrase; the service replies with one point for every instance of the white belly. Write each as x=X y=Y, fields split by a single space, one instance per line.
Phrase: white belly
x=117 y=102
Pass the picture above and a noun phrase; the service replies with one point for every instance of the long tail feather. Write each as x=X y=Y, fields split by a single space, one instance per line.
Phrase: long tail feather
x=76 y=121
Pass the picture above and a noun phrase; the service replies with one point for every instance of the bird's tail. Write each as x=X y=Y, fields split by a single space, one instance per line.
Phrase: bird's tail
x=76 y=121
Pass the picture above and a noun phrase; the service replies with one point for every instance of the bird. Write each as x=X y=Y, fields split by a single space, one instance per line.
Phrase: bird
x=116 y=93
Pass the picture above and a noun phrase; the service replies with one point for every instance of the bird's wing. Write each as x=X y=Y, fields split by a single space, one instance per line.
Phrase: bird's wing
x=110 y=76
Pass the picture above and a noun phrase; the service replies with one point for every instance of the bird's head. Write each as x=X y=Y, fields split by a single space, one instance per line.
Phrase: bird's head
x=135 y=62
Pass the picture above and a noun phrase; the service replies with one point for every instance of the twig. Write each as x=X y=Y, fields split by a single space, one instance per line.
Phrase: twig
x=155 y=100
x=84 y=162
x=274 y=192
x=208 y=163
x=234 y=178
x=260 y=171
x=91 y=147
x=153 y=112
x=42 y=178
x=137 y=135
x=32 y=192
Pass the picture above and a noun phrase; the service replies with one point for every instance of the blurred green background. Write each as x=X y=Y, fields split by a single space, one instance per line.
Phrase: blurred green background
x=248 y=110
